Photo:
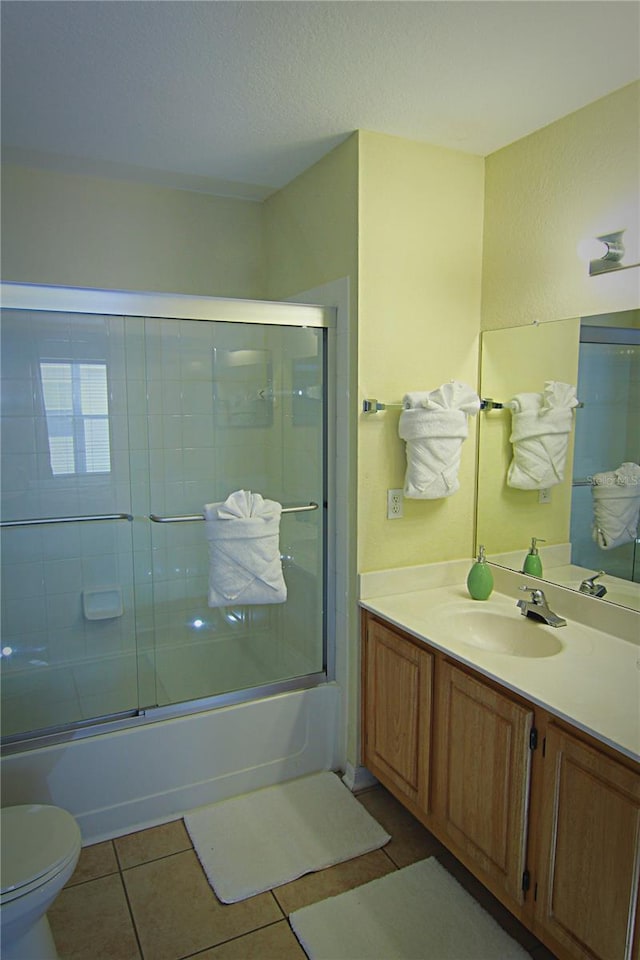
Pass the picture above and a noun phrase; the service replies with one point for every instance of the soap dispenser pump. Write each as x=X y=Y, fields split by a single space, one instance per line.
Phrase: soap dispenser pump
x=532 y=562
x=480 y=578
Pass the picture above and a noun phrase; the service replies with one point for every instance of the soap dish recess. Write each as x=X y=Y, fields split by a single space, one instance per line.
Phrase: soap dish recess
x=102 y=604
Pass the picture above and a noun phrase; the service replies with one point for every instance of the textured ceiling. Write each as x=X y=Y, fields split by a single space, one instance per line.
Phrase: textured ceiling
x=239 y=97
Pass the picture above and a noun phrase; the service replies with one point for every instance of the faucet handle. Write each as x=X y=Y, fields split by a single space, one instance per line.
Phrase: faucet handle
x=594 y=576
x=537 y=595
x=589 y=587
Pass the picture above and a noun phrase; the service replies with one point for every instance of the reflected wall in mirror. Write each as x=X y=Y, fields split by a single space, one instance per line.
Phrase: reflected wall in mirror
x=601 y=356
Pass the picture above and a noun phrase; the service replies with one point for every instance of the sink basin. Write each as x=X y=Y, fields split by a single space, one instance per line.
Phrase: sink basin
x=499 y=631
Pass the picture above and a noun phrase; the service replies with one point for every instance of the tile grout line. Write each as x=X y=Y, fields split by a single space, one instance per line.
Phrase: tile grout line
x=128 y=901
x=264 y=926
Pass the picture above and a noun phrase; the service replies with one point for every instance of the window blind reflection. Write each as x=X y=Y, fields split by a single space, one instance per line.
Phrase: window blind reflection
x=76 y=402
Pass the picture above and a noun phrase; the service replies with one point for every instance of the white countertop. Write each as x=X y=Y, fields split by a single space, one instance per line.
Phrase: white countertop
x=593 y=682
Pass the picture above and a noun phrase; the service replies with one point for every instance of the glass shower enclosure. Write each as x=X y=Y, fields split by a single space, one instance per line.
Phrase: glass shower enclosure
x=122 y=416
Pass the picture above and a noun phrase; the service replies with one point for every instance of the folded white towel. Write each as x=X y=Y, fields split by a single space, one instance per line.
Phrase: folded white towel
x=434 y=426
x=540 y=428
x=616 y=506
x=244 y=551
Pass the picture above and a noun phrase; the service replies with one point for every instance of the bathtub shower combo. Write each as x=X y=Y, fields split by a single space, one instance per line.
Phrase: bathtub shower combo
x=122 y=416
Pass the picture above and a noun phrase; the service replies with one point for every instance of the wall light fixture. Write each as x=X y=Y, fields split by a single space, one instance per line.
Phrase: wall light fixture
x=607 y=251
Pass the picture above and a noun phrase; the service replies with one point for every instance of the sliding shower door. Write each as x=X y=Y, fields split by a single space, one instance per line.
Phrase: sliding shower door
x=68 y=616
x=116 y=431
x=233 y=406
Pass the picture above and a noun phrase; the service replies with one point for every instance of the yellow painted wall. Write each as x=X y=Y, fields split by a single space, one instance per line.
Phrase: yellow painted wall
x=74 y=230
x=420 y=248
x=573 y=180
x=311 y=226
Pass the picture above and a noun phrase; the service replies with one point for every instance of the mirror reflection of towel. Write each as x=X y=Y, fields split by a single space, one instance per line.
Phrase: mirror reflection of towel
x=434 y=426
x=244 y=551
x=616 y=506
x=540 y=428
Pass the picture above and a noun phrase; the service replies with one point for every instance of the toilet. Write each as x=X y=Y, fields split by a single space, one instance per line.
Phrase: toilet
x=40 y=848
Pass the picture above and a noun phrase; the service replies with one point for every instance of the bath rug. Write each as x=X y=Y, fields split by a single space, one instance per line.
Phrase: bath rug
x=418 y=913
x=260 y=840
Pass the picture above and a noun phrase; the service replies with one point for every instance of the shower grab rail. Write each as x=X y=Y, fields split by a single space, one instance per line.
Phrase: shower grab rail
x=198 y=516
x=43 y=520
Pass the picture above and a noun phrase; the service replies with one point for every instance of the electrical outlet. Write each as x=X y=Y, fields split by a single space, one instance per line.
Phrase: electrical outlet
x=544 y=496
x=394 y=504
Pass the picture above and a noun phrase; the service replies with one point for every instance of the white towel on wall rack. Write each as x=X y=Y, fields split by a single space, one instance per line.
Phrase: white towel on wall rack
x=434 y=426
x=540 y=429
x=616 y=506
x=244 y=550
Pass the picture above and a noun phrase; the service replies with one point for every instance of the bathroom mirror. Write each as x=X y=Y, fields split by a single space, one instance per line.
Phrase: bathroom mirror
x=601 y=355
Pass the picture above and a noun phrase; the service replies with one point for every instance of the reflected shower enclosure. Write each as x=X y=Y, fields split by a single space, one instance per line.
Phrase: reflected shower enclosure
x=608 y=436
x=115 y=428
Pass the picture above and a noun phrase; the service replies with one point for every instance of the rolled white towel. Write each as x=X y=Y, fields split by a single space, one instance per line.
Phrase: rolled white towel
x=244 y=552
x=540 y=428
x=434 y=425
x=616 y=506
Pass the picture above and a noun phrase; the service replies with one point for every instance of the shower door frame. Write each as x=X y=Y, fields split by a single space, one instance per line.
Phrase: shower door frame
x=153 y=305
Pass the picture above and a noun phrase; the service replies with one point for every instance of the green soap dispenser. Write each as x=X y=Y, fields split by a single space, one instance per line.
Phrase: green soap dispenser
x=532 y=562
x=480 y=579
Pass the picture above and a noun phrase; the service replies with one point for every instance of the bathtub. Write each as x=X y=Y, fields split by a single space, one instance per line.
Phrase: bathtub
x=151 y=773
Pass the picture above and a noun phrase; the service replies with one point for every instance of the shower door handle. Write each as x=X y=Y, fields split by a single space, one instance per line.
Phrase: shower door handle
x=305 y=508
x=45 y=520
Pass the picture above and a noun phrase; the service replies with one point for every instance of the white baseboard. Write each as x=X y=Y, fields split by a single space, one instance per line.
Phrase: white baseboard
x=358 y=778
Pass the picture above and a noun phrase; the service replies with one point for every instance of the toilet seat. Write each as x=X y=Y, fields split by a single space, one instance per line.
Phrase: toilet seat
x=38 y=842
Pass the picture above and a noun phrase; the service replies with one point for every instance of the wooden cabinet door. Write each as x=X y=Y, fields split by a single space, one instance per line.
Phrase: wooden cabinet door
x=589 y=850
x=397 y=713
x=482 y=773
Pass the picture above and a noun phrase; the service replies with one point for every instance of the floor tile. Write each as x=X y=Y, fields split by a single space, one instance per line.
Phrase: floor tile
x=96 y=861
x=410 y=841
x=151 y=844
x=91 y=921
x=328 y=883
x=277 y=942
x=176 y=912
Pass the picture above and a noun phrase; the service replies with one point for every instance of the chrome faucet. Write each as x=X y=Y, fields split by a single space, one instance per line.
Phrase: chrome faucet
x=537 y=608
x=593 y=589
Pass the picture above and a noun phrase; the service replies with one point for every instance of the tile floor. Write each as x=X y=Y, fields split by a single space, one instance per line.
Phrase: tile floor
x=144 y=896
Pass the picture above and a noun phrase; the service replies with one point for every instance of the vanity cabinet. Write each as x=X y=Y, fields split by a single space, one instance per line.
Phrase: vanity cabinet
x=397 y=727
x=589 y=849
x=545 y=816
x=482 y=771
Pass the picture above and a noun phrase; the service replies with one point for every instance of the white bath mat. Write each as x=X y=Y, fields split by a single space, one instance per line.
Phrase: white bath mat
x=260 y=840
x=418 y=913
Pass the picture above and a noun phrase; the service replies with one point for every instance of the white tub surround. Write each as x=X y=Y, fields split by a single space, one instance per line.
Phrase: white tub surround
x=593 y=681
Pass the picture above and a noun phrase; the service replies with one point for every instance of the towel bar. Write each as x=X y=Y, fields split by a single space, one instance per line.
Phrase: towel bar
x=198 y=516
x=43 y=520
x=490 y=404
x=371 y=405
x=374 y=406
